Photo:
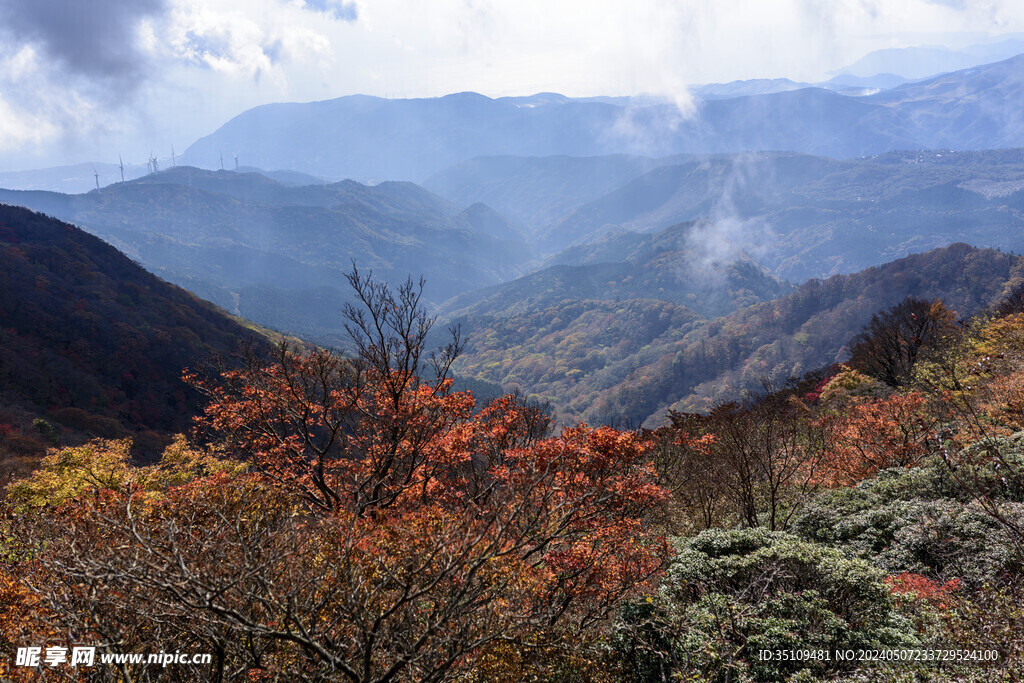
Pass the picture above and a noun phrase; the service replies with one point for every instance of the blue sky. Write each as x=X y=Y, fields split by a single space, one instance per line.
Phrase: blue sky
x=89 y=80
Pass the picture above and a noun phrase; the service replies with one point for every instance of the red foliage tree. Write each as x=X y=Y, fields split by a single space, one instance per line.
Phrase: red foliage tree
x=387 y=531
x=872 y=435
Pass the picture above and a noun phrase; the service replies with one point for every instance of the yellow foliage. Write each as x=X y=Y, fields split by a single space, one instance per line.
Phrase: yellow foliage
x=849 y=383
x=1001 y=338
x=67 y=473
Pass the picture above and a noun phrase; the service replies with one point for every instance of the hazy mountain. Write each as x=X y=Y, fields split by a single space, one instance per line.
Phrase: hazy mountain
x=629 y=360
x=371 y=138
x=755 y=86
x=487 y=221
x=798 y=215
x=851 y=83
x=285 y=177
x=71 y=179
x=924 y=61
x=678 y=265
x=278 y=253
x=536 y=191
x=846 y=84
x=973 y=109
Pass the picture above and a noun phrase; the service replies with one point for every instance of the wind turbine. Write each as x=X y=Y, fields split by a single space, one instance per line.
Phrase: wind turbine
x=97 y=175
x=121 y=161
x=236 y=162
x=174 y=160
x=222 y=161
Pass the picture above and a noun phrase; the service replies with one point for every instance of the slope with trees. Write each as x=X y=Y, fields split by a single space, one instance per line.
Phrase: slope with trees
x=631 y=360
x=93 y=345
x=347 y=519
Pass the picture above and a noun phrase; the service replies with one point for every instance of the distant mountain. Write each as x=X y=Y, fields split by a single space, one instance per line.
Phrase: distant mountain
x=846 y=84
x=862 y=86
x=678 y=265
x=629 y=360
x=536 y=191
x=756 y=86
x=370 y=138
x=923 y=62
x=798 y=215
x=293 y=178
x=487 y=221
x=973 y=109
x=81 y=178
x=278 y=253
x=73 y=179
x=91 y=340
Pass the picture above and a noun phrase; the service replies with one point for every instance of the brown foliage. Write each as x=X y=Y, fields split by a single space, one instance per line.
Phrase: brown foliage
x=890 y=344
x=871 y=435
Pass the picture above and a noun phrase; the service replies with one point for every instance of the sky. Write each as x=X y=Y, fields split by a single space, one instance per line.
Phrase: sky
x=87 y=81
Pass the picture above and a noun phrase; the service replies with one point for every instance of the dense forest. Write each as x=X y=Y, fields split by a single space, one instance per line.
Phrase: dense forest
x=92 y=345
x=608 y=359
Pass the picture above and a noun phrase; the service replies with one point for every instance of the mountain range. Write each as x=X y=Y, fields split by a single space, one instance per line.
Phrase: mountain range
x=277 y=253
x=371 y=138
x=618 y=257
x=798 y=215
x=607 y=359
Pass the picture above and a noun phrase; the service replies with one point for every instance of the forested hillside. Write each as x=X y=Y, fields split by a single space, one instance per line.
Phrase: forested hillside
x=685 y=264
x=630 y=360
x=93 y=344
x=870 y=507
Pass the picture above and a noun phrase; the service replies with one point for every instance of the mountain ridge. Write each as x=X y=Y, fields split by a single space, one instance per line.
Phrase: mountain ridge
x=363 y=137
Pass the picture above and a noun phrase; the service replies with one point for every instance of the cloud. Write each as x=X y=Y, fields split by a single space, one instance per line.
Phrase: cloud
x=20 y=130
x=340 y=10
x=97 y=39
x=229 y=40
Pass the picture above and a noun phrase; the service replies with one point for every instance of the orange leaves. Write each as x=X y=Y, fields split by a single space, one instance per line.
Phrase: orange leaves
x=424 y=504
x=872 y=435
x=21 y=616
x=700 y=443
x=379 y=526
x=910 y=586
x=1002 y=402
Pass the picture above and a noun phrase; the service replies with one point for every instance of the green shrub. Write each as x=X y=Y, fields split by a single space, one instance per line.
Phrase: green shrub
x=920 y=520
x=730 y=594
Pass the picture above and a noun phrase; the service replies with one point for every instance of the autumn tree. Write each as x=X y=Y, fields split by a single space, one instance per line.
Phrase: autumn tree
x=751 y=464
x=890 y=344
x=870 y=435
x=684 y=457
x=386 y=529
